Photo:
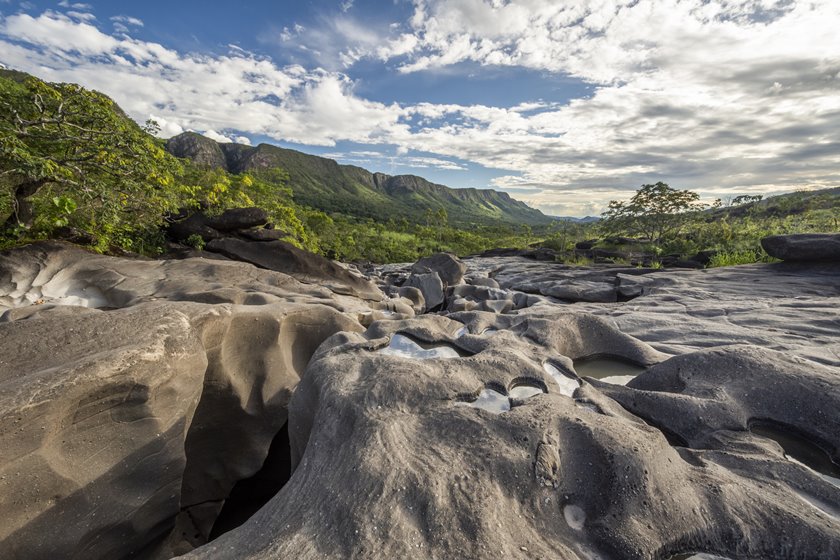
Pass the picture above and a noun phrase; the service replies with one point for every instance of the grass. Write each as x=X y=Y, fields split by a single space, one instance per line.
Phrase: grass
x=736 y=257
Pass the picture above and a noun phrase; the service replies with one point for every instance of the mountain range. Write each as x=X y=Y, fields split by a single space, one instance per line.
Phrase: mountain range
x=325 y=184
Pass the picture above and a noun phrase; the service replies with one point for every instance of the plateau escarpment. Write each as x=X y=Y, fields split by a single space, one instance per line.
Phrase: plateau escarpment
x=325 y=184
x=291 y=407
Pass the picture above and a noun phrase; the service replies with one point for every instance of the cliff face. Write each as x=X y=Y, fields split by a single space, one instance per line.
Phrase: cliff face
x=198 y=148
x=325 y=184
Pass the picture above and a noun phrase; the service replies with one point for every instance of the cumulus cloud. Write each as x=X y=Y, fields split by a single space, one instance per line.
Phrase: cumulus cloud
x=722 y=96
x=238 y=91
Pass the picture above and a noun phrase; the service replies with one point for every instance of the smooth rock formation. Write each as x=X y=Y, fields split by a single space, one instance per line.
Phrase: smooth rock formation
x=218 y=410
x=804 y=247
x=449 y=267
x=306 y=267
x=129 y=428
x=430 y=286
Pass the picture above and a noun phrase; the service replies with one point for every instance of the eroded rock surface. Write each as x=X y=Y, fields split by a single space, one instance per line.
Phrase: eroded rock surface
x=146 y=404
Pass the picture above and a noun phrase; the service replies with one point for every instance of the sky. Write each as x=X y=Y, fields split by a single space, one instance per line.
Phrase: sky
x=564 y=105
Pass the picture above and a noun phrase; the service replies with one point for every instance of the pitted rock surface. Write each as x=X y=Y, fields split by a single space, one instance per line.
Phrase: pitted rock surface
x=145 y=404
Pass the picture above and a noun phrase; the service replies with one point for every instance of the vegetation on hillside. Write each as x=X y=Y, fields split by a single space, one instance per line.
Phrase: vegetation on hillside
x=672 y=222
x=73 y=165
x=72 y=162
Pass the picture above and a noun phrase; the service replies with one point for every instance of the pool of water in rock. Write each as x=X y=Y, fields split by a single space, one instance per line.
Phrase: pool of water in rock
x=491 y=400
x=607 y=370
x=407 y=347
x=566 y=384
x=801 y=451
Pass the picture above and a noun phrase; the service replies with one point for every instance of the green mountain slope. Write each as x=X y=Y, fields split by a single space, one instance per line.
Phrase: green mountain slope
x=325 y=184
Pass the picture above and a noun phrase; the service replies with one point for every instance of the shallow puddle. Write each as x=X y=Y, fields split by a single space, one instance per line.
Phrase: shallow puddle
x=491 y=400
x=801 y=451
x=406 y=347
x=607 y=370
x=566 y=384
x=522 y=392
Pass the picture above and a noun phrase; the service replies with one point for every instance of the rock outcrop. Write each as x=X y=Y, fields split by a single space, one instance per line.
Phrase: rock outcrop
x=804 y=247
x=219 y=409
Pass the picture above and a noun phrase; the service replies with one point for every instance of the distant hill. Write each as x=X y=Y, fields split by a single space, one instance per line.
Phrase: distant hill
x=325 y=184
x=784 y=204
x=584 y=220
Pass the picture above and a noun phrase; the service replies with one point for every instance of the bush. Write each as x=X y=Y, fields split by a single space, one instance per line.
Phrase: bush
x=195 y=241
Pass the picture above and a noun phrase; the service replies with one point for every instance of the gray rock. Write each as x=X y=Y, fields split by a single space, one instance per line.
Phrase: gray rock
x=304 y=266
x=430 y=285
x=804 y=247
x=449 y=268
x=585 y=474
x=488 y=282
x=263 y=234
x=236 y=219
x=415 y=296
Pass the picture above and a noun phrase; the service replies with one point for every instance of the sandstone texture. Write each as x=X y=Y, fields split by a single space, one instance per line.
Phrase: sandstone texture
x=214 y=409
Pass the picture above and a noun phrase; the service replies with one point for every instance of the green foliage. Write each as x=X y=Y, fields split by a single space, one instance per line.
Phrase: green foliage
x=736 y=257
x=69 y=156
x=195 y=241
x=656 y=212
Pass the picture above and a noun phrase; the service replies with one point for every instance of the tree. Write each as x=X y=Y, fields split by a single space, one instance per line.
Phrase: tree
x=656 y=212
x=98 y=165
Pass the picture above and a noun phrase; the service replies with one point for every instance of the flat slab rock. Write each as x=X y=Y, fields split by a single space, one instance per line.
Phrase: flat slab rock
x=139 y=398
x=803 y=247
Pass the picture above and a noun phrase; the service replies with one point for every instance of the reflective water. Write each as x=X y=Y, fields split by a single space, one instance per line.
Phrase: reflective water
x=566 y=384
x=491 y=400
x=801 y=451
x=406 y=347
x=523 y=392
x=607 y=370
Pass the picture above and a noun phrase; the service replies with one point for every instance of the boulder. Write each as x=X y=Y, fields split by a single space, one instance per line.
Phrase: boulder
x=304 y=266
x=430 y=285
x=236 y=219
x=192 y=225
x=804 y=247
x=483 y=281
x=448 y=267
x=263 y=234
x=414 y=295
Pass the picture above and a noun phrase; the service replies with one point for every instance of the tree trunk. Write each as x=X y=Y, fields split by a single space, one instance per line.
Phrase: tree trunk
x=22 y=210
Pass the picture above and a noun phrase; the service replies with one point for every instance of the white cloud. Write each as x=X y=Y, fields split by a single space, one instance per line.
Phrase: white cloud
x=718 y=96
x=84 y=16
x=127 y=20
x=346 y=5
x=238 y=91
x=213 y=135
x=75 y=6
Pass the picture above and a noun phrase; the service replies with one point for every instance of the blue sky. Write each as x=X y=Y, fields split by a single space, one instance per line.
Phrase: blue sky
x=563 y=105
